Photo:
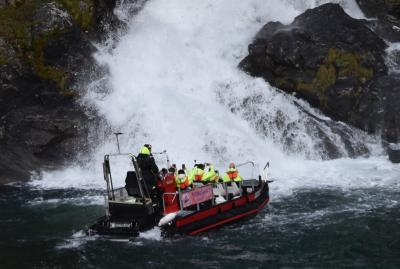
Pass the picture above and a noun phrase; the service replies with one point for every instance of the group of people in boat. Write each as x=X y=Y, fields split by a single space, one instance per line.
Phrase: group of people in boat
x=184 y=178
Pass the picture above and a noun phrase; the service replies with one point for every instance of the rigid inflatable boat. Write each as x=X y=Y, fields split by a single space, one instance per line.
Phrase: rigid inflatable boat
x=203 y=207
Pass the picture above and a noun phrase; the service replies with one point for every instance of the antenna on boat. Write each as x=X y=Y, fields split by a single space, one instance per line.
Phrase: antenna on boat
x=116 y=135
x=266 y=165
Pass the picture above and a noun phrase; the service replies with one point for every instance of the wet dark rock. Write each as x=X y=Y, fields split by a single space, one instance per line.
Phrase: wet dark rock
x=394 y=153
x=378 y=108
x=330 y=139
x=384 y=17
x=335 y=62
x=51 y=17
x=45 y=60
x=380 y=8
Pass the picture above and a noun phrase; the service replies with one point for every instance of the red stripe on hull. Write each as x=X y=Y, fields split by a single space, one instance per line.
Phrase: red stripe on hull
x=197 y=217
x=230 y=219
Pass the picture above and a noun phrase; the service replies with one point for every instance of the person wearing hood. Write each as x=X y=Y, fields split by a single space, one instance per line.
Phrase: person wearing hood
x=148 y=167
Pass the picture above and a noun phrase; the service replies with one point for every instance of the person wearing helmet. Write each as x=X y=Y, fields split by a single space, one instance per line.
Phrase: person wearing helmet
x=232 y=174
x=148 y=168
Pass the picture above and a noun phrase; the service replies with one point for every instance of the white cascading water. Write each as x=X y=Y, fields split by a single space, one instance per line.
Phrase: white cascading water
x=174 y=80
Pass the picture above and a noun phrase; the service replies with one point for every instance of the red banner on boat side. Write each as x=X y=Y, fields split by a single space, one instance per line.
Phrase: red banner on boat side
x=197 y=195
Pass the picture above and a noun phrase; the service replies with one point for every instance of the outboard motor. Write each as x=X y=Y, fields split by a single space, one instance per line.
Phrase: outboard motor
x=394 y=153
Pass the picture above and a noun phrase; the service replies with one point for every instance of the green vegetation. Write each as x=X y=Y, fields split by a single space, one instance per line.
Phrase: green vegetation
x=393 y=2
x=282 y=83
x=3 y=59
x=41 y=69
x=16 y=22
x=80 y=11
x=348 y=65
x=338 y=64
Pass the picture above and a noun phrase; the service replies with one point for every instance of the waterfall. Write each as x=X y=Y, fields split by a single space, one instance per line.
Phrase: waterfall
x=173 y=82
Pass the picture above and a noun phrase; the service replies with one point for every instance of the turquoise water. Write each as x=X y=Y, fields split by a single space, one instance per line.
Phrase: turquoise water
x=311 y=228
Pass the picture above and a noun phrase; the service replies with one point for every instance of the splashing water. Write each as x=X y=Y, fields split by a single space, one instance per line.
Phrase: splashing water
x=173 y=82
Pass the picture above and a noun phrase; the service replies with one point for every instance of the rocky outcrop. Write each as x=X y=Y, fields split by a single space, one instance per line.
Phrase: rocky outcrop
x=46 y=51
x=384 y=17
x=333 y=61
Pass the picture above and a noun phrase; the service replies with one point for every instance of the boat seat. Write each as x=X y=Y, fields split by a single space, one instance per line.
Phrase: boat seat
x=250 y=183
x=132 y=184
x=233 y=189
x=219 y=190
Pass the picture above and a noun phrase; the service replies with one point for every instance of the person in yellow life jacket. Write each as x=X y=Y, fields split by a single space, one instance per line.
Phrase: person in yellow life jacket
x=211 y=175
x=197 y=173
x=182 y=180
x=232 y=174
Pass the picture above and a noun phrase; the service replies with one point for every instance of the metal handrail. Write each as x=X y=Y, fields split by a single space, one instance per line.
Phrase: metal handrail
x=248 y=162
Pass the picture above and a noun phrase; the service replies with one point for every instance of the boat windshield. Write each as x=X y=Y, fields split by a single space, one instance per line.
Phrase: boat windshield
x=120 y=164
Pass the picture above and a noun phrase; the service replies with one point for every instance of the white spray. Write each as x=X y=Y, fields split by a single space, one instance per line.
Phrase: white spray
x=168 y=74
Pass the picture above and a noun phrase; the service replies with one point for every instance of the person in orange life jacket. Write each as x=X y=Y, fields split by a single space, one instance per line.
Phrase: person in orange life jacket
x=232 y=174
x=148 y=168
x=216 y=177
x=182 y=180
x=197 y=173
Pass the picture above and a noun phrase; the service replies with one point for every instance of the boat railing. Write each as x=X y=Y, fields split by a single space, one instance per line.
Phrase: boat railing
x=252 y=165
x=225 y=190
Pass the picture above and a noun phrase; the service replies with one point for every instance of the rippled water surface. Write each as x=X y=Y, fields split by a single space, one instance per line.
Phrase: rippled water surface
x=342 y=213
x=311 y=228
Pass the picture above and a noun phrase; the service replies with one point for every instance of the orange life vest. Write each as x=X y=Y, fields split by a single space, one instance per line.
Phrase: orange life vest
x=183 y=185
x=232 y=174
x=198 y=177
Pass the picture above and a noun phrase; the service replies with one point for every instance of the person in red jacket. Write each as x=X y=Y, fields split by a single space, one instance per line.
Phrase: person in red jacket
x=168 y=187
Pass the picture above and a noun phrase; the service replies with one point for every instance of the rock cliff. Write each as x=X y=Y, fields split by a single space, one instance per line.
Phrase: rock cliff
x=335 y=62
x=46 y=52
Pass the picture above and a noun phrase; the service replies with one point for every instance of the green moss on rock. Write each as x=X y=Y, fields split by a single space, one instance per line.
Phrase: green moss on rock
x=40 y=68
x=81 y=11
x=349 y=65
x=16 y=22
x=338 y=64
x=3 y=59
x=393 y=2
x=282 y=83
